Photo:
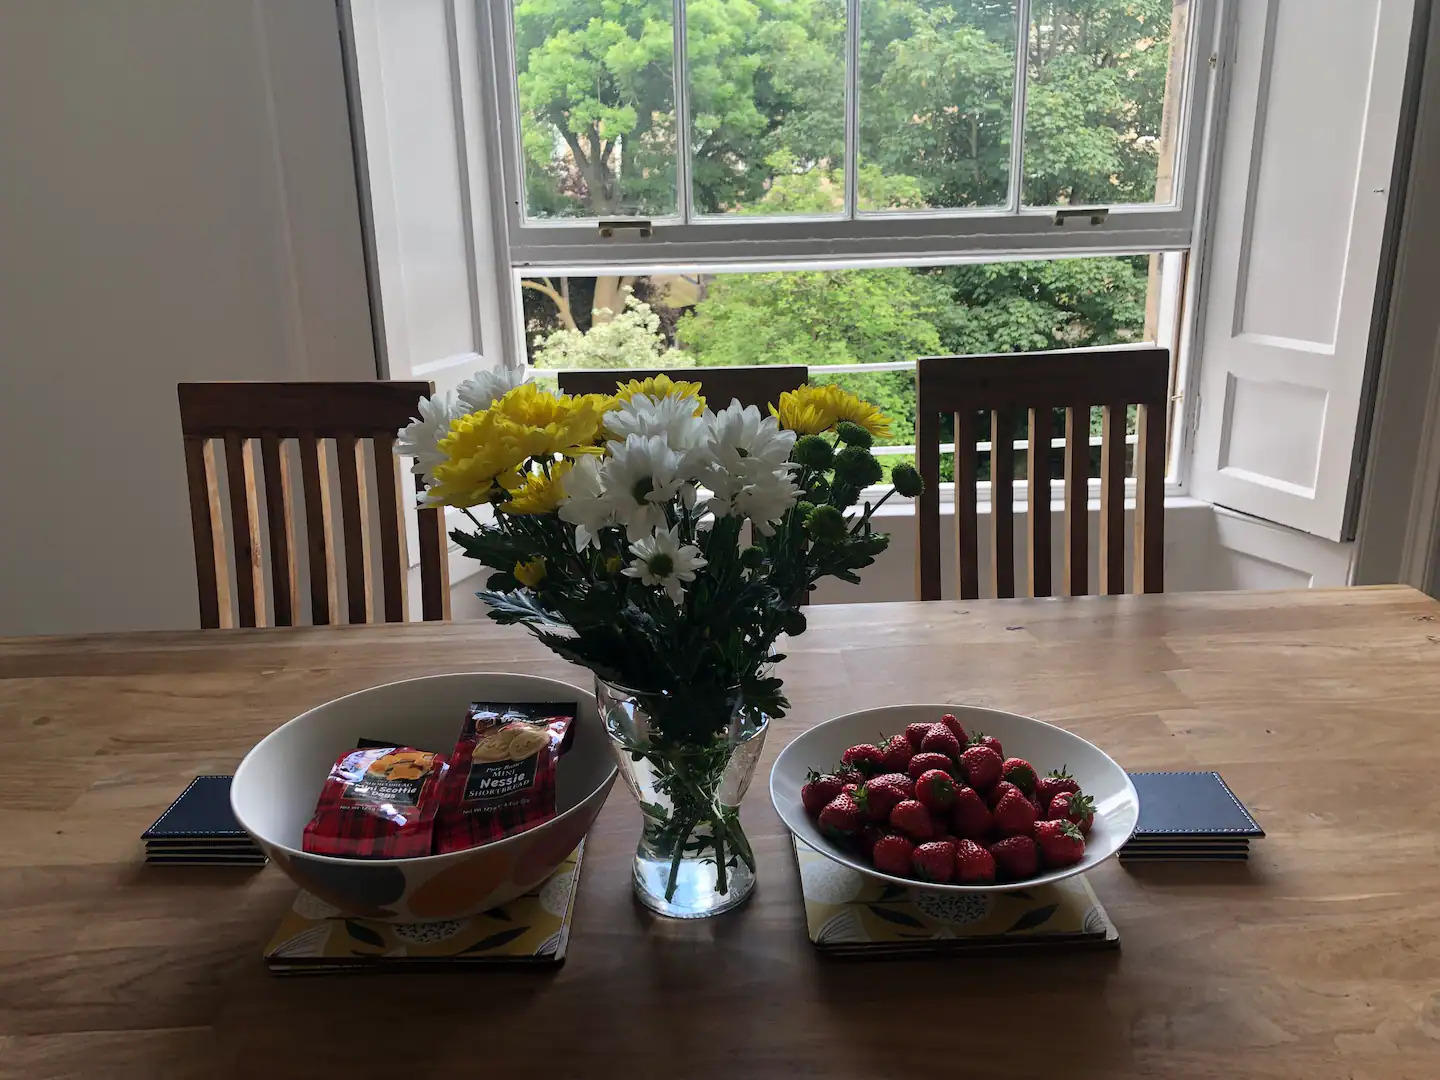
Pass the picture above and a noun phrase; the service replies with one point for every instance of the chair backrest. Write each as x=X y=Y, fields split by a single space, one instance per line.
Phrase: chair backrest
x=240 y=415
x=758 y=386
x=1002 y=385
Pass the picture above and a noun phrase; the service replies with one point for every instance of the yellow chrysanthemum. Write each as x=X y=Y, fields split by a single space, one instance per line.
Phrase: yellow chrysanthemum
x=530 y=573
x=658 y=386
x=539 y=494
x=859 y=411
x=810 y=410
x=490 y=447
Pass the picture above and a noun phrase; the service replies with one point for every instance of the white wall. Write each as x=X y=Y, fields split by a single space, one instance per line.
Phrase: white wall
x=179 y=203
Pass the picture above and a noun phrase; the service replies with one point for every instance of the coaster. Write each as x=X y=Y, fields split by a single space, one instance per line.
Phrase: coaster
x=1189 y=816
x=530 y=931
x=848 y=913
x=200 y=828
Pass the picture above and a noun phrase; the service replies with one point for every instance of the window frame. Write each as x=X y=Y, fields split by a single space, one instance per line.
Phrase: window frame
x=1013 y=230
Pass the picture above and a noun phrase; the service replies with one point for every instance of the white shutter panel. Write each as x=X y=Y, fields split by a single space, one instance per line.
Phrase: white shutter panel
x=1297 y=221
x=415 y=73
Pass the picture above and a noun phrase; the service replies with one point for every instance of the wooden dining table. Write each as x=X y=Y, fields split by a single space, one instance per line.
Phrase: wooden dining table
x=1319 y=957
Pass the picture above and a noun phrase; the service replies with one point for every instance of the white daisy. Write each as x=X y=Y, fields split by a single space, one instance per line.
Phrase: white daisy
x=585 y=504
x=482 y=389
x=754 y=491
x=660 y=559
x=672 y=417
x=420 y=438
x=738 y=434
x=640 y=476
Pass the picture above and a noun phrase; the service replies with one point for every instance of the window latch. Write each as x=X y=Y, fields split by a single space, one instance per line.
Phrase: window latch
x=609 y=228
x=1096 y=215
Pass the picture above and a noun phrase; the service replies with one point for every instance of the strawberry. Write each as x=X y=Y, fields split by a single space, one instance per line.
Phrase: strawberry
x=1075 y=808
x=941 y=740
x=934 y=861
x=895 y=754
x=981 y=739
x=870 y=835
x=955 y=729
x=849 y=775
x=818 y=790
x=880 y=797
x=1047 y=787
x=1060 y=843
x=1016 y=857
x=891 y=854
x=842 y=816
x=1014 y=815
x=1020 y=773
x=864 y=757
x=999 y=791
x=906 y=784
x=915 y=734
x=923 y=763
x=981 y=766
x=935 y=789
x=851 y=787
x=913 y=819
x=970 y=816
x=973 y=864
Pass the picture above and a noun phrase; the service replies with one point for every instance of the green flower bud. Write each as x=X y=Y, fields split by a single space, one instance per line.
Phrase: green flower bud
x=813 y=452
x=826 y=524
x=802 y=509
x=852 y=434
x=793 y=623
x=752 y=558
x=906 y=479
x=858 y=466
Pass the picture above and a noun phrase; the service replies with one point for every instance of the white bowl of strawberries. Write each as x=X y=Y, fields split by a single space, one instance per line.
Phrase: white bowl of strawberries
x=954 y=797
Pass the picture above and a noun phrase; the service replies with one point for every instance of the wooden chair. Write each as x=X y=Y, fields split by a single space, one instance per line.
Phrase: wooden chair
x=758 y=386
x=239 y=415
x=1040 y=382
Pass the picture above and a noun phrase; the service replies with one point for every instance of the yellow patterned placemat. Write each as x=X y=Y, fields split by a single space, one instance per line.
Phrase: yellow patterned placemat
x=533 y=929
x=848 y=912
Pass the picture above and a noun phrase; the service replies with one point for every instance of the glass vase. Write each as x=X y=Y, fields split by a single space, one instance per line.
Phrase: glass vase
x=693 y=859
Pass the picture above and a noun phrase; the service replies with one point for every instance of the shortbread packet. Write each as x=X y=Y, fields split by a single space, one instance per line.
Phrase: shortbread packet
x=378 y=802
x=502 y=773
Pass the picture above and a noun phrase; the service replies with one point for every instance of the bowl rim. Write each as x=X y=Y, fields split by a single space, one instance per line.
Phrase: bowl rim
x=415 y=860
x=835 y=855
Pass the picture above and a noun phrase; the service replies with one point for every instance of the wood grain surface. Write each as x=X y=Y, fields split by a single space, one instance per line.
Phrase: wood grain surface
x=1318 y=958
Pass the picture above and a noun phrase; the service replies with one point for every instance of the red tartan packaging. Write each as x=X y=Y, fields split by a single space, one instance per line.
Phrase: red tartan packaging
x=378 y=802
x=502 y=774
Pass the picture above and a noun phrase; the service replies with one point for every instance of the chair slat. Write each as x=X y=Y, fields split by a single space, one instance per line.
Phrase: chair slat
x=245 y=529
x=967 y=526
x=1037 y=479
x=354 y=527
x=1150 y=500
x=284 y=581
x=434 y=565
x=927 y=506
x=208 y=529
x=1002 y=503
x=1077 y=500
x=1112 y=499
x=394 y=560
x=315 y=480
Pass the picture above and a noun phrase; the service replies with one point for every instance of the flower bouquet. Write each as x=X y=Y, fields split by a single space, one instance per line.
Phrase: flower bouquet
x=666 y=544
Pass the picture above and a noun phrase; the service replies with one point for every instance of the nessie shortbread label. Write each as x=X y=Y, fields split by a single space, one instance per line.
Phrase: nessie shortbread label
x=502 y=772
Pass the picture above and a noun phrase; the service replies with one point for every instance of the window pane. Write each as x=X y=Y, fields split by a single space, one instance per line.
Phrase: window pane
x=1102 y=104
x=822 y=318
x=936 y=82
x=595 y=90
x=767 y=105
